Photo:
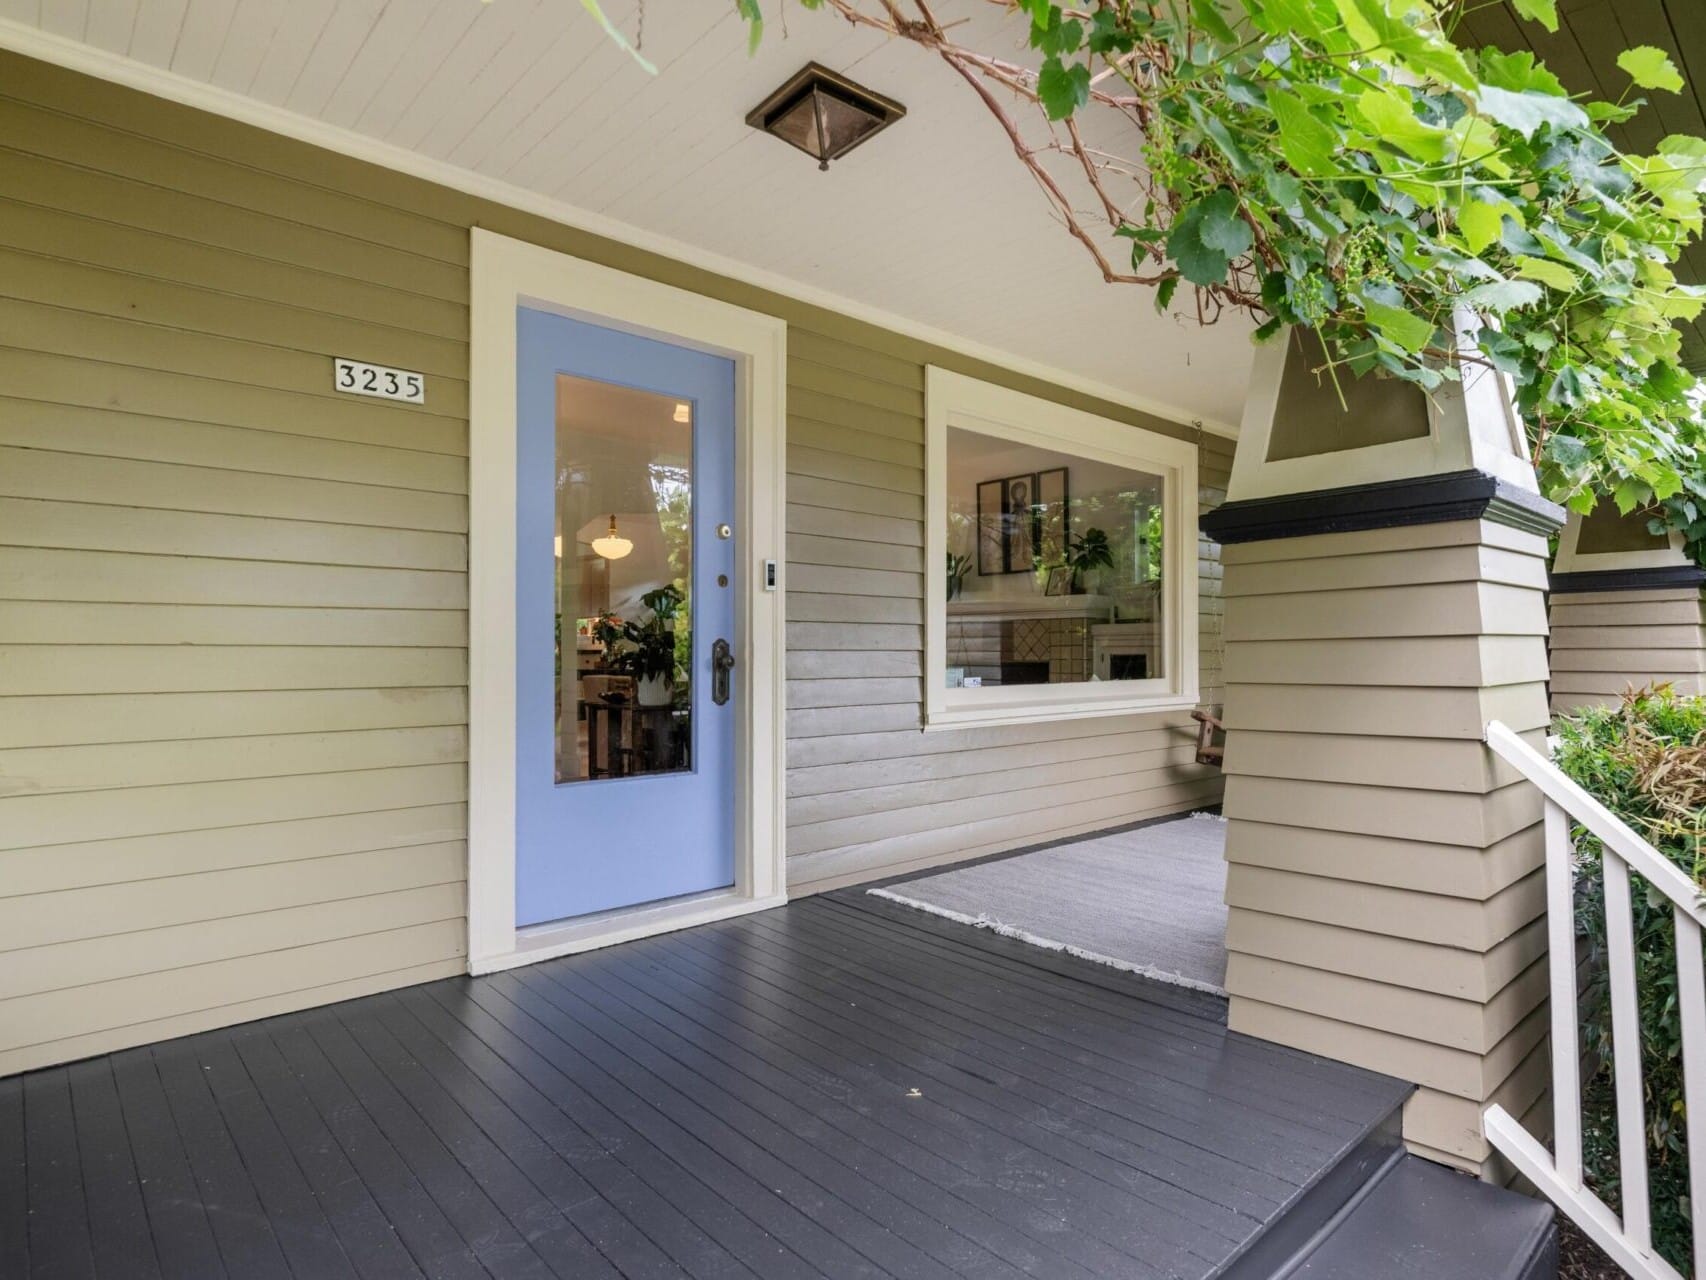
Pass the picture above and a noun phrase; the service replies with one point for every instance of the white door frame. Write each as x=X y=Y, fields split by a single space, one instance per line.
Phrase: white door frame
x=508 y=273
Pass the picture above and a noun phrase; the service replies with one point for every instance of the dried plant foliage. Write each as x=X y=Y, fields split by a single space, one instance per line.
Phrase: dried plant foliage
x=1644 y=758
x=1663 y=766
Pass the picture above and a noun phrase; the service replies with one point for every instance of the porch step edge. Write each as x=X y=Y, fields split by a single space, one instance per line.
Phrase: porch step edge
x=1418 y=1220
x=1320 y=1205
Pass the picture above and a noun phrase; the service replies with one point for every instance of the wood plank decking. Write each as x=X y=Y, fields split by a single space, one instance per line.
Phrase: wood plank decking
x=839 y=1088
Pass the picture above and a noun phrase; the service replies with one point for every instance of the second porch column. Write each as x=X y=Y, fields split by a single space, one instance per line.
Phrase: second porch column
x=1384 y=875
x=1626 y=611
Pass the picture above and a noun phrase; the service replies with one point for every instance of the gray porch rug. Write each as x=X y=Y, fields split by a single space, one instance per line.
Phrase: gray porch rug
x=1149 y=900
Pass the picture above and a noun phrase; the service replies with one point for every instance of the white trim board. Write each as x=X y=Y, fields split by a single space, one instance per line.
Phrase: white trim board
x=76 y=56
x=1571 y=560
x=954 y=400
x=507 y=273
x=1472 y=424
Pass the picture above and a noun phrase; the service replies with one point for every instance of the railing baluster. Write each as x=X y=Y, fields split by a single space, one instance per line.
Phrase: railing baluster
x=1561 y=960
x=1559 y=1173
x=1626 y=1053
x=1691 y=1001
x=1566 y=1045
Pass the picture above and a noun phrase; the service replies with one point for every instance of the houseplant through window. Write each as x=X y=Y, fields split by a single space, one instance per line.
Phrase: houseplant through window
x=958 y=567
x=649 y=647
x=1086 y=551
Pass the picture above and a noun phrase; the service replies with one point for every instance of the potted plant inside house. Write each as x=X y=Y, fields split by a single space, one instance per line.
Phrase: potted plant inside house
x=607 y=630
x=1086 y=551
x=958 y=567
x=649 y=647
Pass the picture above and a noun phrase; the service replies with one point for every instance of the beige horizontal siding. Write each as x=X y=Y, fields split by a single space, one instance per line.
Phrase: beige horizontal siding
x=131 y=860
x=233 y=707
x=832 y=868
x=80 y=622
x=101 y=434
x=869 y=793
x=84 y=719
x=1393 y=961
x=1384 y=872
x=1214 y=472
x=1605 y=643
x=233 y=604
x=46 y=205
x=1412 y=863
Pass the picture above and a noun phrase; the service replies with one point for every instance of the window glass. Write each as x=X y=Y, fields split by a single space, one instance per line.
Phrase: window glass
x=624 y=557
x=1054 y=571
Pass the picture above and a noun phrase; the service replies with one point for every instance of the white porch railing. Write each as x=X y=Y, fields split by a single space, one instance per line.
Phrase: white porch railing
x=1629 y=1240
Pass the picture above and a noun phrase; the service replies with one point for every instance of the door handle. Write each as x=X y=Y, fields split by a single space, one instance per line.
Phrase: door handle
x=722 y=662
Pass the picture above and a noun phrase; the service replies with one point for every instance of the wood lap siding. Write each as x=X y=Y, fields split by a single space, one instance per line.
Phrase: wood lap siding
x=233 y=633
x=1606 y=642
x=869 y=794
x=1214 y=471
x=233 y=604
x=1361 y=795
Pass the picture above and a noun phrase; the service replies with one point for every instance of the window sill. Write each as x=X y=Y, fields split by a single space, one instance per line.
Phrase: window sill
x=964 y=717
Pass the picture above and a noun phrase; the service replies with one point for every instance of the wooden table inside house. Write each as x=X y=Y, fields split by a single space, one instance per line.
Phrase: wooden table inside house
x=636 y=738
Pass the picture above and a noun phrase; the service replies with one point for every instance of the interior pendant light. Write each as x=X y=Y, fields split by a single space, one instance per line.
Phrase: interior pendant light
x=824 y=114
x=612 y=546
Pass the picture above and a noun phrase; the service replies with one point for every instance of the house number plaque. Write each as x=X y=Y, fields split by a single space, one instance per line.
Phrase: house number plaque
x=359 y=378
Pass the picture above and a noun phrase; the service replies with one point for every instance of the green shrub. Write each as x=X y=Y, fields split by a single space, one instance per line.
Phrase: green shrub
x=1645 y=760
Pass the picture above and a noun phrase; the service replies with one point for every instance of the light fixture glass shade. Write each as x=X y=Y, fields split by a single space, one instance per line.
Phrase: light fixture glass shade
x=824 y=114
x=612 y=546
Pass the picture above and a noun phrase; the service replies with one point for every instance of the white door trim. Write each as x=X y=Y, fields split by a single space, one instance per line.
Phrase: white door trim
x=507 y=273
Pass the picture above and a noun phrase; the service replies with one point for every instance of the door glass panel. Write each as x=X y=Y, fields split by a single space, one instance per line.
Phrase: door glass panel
x=624 y=581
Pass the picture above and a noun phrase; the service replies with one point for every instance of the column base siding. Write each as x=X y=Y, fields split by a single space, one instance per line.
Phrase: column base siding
x=1606 y=642
x=1383 y=882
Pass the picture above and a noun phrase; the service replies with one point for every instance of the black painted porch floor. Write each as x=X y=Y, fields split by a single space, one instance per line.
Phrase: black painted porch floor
x=839 y=1088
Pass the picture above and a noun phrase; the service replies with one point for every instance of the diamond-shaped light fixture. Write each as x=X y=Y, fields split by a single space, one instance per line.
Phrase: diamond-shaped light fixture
x=824 y=114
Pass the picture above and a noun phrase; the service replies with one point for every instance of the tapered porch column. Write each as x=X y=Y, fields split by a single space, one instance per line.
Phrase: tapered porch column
x=1626 y=611
x=1385 y=578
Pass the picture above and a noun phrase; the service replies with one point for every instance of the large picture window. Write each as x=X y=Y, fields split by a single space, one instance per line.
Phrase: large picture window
x=1062 y=560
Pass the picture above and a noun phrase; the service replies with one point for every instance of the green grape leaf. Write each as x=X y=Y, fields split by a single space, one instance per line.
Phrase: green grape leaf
x=1407 y=329
x=1555 y=274
x=1308 y=145
x=1545 y=12
x=1062 y=88
x=1526 y=112
x=1207 y=236
x=1650 y=68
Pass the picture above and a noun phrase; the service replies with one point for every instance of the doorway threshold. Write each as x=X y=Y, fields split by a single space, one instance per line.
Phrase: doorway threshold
x=624 y=924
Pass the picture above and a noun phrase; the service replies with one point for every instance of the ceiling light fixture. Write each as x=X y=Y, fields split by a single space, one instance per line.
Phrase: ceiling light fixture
x=612 y=546
x=824 y=114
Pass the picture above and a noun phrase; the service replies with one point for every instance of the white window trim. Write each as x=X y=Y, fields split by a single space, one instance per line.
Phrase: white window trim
x=954 y=400
x=507 y=273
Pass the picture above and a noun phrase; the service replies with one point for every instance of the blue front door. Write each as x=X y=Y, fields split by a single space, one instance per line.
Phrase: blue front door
x=625 y=585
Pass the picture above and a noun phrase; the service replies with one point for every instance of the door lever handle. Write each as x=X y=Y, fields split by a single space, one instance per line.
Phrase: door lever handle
x=722 y=662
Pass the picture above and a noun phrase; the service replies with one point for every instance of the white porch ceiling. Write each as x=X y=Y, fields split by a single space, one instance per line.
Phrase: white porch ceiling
x=933 y=223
